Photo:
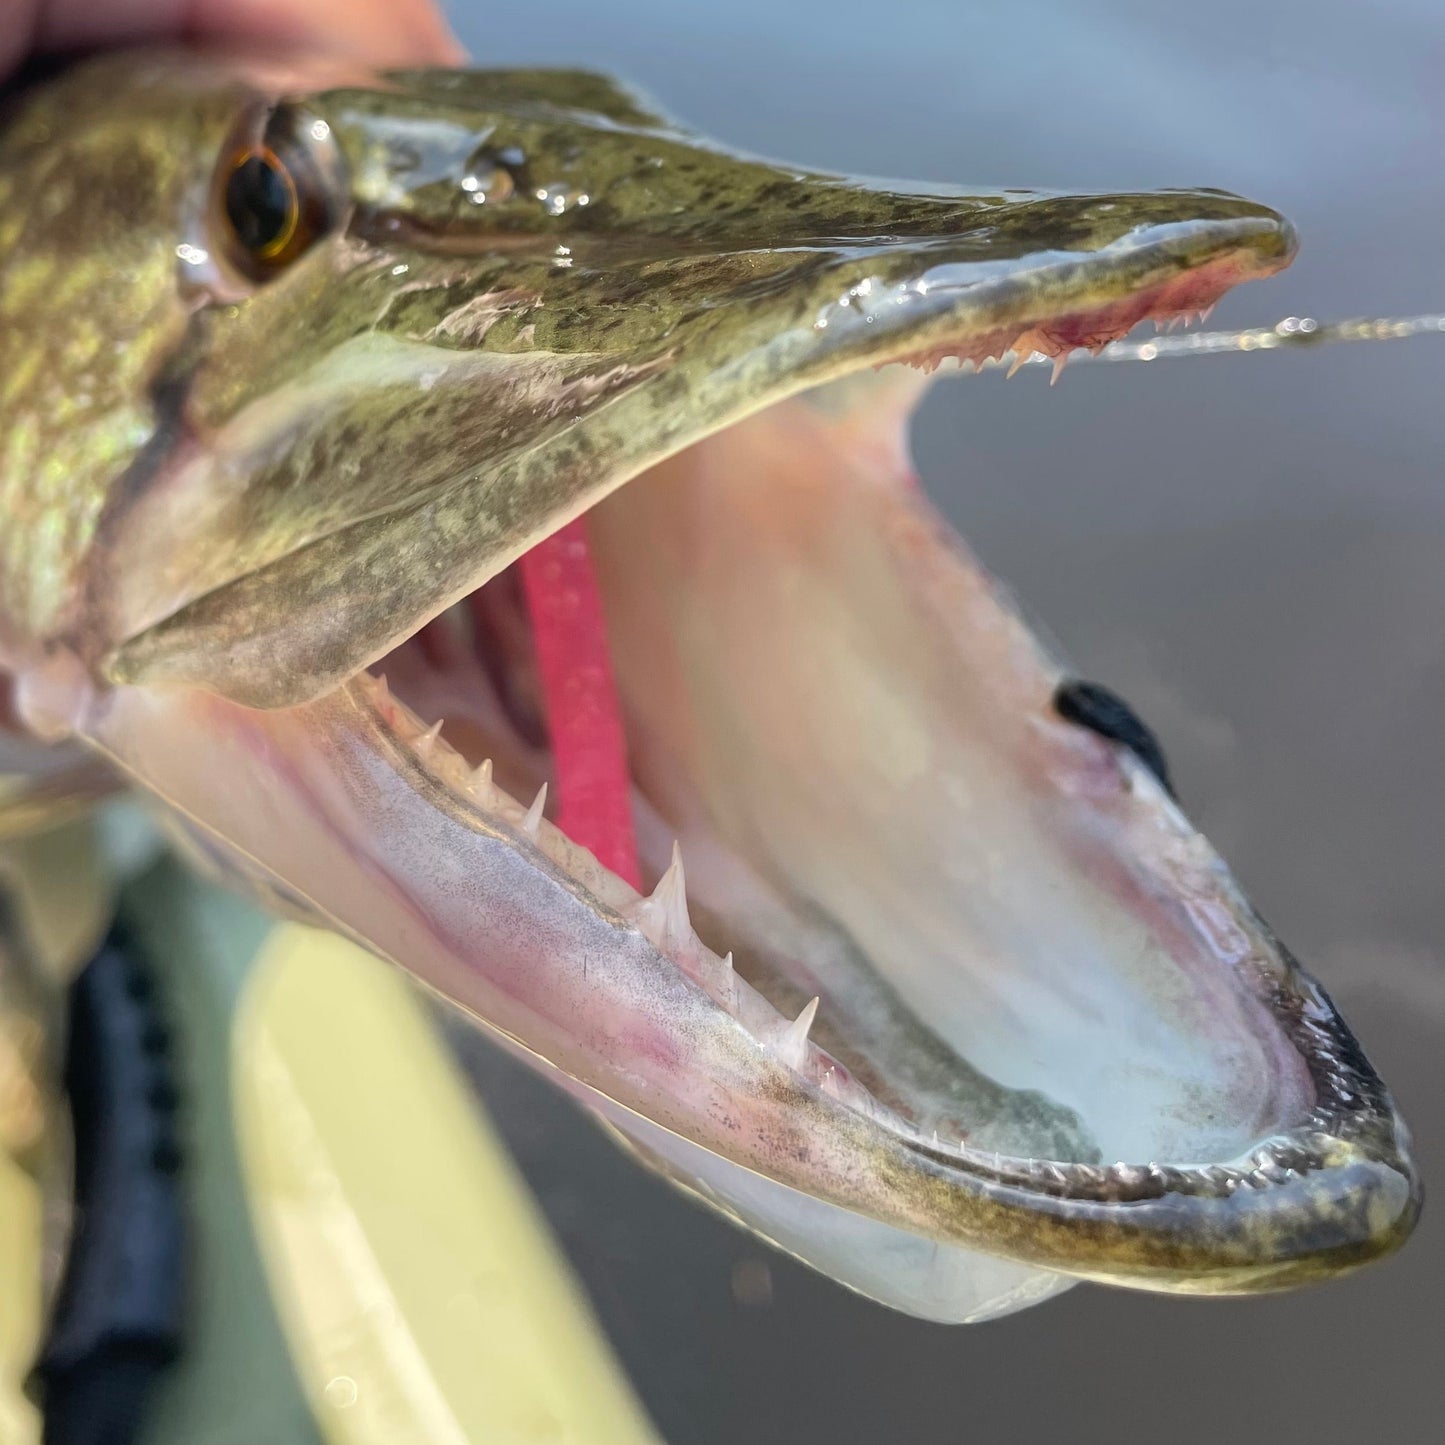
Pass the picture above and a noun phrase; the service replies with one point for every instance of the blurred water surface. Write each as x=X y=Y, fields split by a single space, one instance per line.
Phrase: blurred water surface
x=1252 y=548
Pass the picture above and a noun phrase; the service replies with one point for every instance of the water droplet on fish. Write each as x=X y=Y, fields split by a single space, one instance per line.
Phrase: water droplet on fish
x=559 y=198
x=487 y=176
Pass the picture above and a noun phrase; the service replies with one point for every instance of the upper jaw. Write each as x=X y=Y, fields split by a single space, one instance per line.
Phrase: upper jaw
x=520 y=437
x=487 y=372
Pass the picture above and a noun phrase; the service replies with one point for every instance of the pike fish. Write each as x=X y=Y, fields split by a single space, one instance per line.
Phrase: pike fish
x=951 y=1002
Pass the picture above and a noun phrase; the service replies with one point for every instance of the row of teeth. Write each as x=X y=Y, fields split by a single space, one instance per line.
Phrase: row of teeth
x=1034 y=347
x=663 y=918
x=1277 y=1161
x=1183 y=318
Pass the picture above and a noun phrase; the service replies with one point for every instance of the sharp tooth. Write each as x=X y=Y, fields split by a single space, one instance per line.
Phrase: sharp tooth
x=663 y=918
x=670 y=899
x=1020 y=360
x=533 y=821
x=480 y=780
x=1207 y=312
x=426 y=744
x=1059 y=363
x=728 y=961
x=792 y=1047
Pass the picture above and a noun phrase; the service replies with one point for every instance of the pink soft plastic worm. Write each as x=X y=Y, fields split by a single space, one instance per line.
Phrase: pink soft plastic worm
x=584 y=716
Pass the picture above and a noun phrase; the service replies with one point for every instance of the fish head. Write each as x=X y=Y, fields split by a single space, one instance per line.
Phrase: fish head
x=953 y=1001
x=333 y=306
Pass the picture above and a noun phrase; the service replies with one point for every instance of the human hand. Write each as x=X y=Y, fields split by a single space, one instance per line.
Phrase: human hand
x=398 y=32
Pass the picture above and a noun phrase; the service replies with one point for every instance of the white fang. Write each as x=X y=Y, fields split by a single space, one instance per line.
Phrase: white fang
x=532 y=823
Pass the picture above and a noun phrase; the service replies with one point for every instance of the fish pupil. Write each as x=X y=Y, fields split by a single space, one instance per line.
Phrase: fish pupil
x=261 y=205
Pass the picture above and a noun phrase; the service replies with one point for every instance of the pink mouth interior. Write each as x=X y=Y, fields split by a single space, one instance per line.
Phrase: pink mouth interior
x=579 y=695
x=563 y=600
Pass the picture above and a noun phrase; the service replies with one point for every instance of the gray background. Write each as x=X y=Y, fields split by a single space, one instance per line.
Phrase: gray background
x=1251 y=548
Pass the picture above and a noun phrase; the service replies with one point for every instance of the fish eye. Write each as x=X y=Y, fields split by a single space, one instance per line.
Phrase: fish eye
x=262 y=205
x=271 y=195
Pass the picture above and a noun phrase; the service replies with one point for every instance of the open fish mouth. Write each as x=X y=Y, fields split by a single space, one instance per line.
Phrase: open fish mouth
x=951 y=1000
x=944 y=951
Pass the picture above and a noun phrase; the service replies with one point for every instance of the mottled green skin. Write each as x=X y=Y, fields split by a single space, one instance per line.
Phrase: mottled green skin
x=88 y=315
x=507 y=384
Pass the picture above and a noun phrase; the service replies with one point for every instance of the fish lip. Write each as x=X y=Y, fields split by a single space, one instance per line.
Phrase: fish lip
x=1328 y=1195
x=1254 y=1239
x=1136 y=264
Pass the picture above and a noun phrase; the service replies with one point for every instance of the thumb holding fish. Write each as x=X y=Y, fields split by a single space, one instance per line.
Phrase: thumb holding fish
x=398 y=32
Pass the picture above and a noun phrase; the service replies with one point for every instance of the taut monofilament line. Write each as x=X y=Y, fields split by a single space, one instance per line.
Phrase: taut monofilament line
x=1289 y=333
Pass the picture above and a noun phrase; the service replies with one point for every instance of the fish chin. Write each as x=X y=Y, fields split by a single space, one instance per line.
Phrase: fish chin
x=1051 y=1039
